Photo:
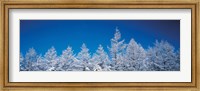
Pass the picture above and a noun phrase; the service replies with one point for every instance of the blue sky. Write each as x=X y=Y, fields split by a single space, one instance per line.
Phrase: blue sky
x=42 y=34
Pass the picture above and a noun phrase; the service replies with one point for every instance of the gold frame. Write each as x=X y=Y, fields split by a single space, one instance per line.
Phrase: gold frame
x=193 y=5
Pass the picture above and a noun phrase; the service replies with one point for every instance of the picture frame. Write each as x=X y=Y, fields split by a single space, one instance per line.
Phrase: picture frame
x=6 y=85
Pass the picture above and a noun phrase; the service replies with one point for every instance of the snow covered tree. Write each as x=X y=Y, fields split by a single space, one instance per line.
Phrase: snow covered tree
x=51 y=58
x=135 y=56
x=117 y=49
x=42 y=64
x=101 y=60
x=21 y=58
x=51 y=54
x=76 y=65
x=161 y=57
x=176 y=67
x=66 y=58
x=67 y=54
x=30 y=58
x=22 y=62
x=84 y=56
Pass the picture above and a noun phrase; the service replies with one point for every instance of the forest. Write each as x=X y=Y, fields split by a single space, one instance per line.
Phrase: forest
x=162 y=56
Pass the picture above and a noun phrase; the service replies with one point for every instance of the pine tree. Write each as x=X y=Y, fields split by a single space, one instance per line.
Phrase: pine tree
x=101 y=60
x=30 y=58
x=117 y=50
x=22 y=62
x=135 y=55
x=66 y=59
x=84 y=57
x=42 y=64
x=52 y=59
x=177 y=62
x=161 y=57
x=51 y=54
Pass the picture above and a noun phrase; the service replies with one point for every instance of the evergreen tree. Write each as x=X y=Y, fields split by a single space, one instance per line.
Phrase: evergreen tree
x=177 y=62
x=52 y=59
x=101 y=60
x=51 y=54
x=117 y=50
x=22 y=62
x=30 y=58
x=135 y=56
x=84 y=57
x=66 y=59
x=161 y=57
x=42 y=64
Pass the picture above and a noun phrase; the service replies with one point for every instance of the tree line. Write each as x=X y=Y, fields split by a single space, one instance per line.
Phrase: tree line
x=121 y=57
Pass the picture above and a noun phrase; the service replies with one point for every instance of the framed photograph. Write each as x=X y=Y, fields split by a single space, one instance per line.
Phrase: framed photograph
x=80 y=45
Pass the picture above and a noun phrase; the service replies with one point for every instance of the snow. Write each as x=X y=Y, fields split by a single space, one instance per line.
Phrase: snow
x=121 y=57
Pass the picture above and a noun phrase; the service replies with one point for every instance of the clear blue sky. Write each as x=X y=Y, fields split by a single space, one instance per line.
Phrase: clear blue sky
x=42 y=34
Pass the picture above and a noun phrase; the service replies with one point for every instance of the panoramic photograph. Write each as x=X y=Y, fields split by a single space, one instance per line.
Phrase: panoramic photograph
x=99 y=45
